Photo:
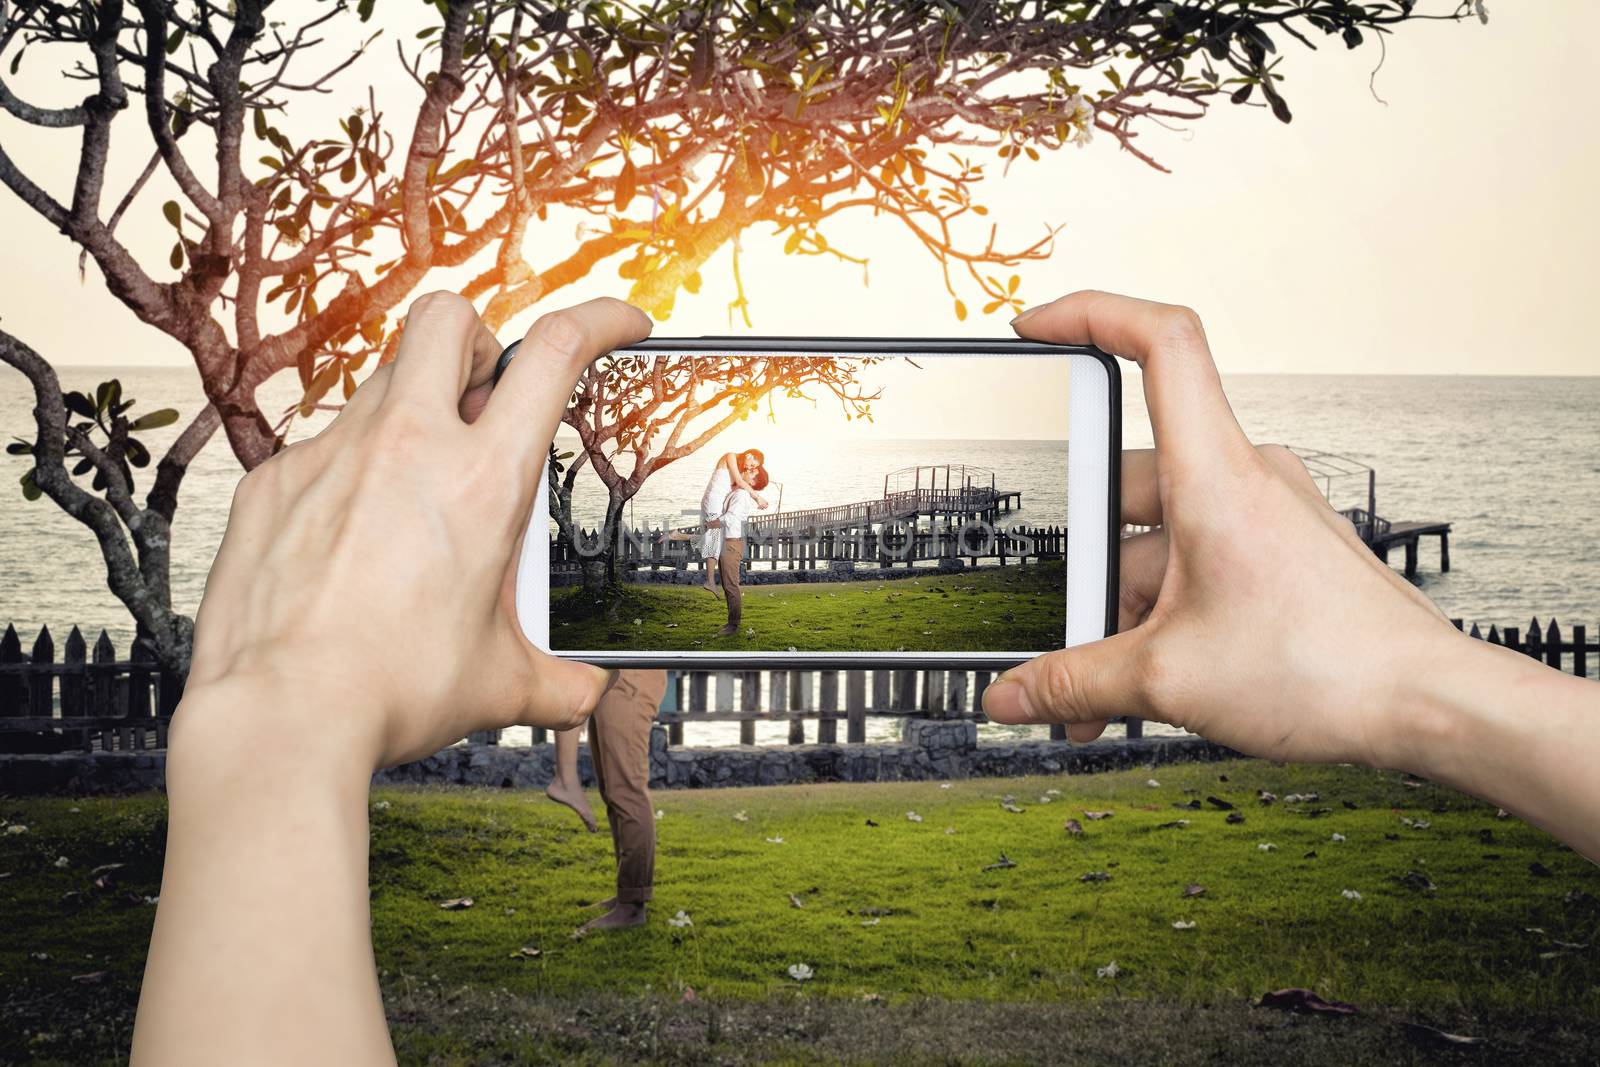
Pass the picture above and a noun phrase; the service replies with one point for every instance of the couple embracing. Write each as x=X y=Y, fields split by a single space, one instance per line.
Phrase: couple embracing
x=734 y=489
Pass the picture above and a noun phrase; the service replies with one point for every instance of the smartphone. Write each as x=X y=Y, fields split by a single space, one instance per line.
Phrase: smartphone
x=786 y=502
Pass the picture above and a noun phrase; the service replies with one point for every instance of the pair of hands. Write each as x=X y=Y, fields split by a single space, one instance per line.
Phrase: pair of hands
x=377 y=561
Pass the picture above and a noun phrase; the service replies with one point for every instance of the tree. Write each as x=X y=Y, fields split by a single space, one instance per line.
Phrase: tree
x=670 y=127
x=650 y=410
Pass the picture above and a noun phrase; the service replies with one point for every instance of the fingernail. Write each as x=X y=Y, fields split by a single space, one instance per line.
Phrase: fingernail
x=1007 y=701
x=1026 y=315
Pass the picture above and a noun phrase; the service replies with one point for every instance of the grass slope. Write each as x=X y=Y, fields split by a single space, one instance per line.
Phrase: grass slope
x=988 y=609
x=1489 y=946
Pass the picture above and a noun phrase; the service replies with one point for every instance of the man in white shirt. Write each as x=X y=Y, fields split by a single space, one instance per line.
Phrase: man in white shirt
x=735 y=512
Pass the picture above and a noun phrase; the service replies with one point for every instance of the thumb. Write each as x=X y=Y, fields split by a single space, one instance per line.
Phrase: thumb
x=564 y=692
x=1086 y=684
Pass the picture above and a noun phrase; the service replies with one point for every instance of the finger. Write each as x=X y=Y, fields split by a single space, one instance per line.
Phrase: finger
x=1141 y=495
x=1143 y=566
x=1083 y=684
x=443 y=347
x=564 y=692
x=527 y=404
x=1189 y=414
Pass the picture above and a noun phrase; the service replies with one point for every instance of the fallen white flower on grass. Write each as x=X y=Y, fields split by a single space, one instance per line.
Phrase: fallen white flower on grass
x=681 y=919
x=638 y=622
x=740 y=816
x=382 y=805
x=912 y=816
x=1052 y=792
x=801 y=972
x=949 y=830
x=1152 y=783
x=1110 y=970
x=16 y=828
x=1182 y=925
x=62 y=861
x=1338 y=836
x=1350 y=894
x=774 y=840
x=1046 y=798
x=870 y=922
x=659 y=814
x=944 y=785
x=1267 y=846
x=153 y=900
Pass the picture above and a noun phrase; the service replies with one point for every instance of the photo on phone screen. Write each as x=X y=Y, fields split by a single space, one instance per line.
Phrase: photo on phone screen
x=899 y=502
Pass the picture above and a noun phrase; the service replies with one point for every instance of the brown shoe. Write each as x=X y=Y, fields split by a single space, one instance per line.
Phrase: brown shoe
x=728 y=631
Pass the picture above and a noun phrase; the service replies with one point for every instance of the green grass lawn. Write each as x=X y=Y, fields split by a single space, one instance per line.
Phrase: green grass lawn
x=917 y=949
x=987 y=609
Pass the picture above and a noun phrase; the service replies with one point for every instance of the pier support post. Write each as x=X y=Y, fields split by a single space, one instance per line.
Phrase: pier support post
x=1444 y=552
x=1411 y=557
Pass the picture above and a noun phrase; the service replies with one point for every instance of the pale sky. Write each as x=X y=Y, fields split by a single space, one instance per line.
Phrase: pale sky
x=1449 y=231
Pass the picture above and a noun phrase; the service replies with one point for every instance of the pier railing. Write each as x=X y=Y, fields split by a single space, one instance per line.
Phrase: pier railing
x=91 y=700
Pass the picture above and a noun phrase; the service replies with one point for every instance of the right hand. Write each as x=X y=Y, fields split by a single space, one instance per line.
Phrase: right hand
x=761 y=501
x=1254 y=615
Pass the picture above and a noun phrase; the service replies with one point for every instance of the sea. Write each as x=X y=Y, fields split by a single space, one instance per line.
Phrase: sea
x=1513 y=463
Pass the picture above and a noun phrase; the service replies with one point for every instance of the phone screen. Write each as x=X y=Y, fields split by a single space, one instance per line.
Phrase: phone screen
x=728 y=502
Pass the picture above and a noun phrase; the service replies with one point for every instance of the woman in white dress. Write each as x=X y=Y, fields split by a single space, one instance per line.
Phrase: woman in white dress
x=733 y=470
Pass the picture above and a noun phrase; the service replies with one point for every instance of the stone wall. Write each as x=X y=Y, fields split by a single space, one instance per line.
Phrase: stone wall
x=928 y=748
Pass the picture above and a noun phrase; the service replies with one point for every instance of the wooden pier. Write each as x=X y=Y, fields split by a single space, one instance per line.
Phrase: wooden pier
x=1380 y=534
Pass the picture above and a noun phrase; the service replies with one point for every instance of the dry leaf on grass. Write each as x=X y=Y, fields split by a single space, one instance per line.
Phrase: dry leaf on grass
x=1194 y=891
x=526 y=952
x=1095 y=876
x=1098 y=815
x=1004 y=863
x=456 y=903
x=795 y=902
x=1073 y=826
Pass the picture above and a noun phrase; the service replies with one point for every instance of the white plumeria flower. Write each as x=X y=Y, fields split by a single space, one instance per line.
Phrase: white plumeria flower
x=16 y=828
x=1182 y=925
x=1337 y=836
x=870 y=922
x=1350 y=894
x=659 y=814
x=680 y=919
x=740 y=816
x=801 y=972
x=1267 y=846
x=944 y=785
x=1110 y=970
x=912 y=816
x=62 y=861
x=1152 y=783
x=382 y=805
x=774 y=840
x=1046 y=799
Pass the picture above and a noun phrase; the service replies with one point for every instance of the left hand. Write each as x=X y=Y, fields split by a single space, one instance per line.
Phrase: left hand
x=365 y=586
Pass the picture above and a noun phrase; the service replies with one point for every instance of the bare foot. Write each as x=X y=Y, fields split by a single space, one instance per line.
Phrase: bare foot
x=711 y=588
x=728 y=630
x=607 y=904
x=572 y=796
x=619 y=917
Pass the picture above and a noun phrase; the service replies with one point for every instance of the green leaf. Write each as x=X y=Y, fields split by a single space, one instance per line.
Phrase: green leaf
x=154 y=420
x=19 y=447
x=137 y=454
x=16 y=60
x=174 y=40
x=173 y=213
x=176 y=259
x=259 y=118
x=79 y=404
x=83 y=466
x=364 y=9
x=30 y=489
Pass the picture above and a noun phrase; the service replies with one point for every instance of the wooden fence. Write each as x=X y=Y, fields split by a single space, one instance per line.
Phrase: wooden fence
x=93 y=701
x=805 y=549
